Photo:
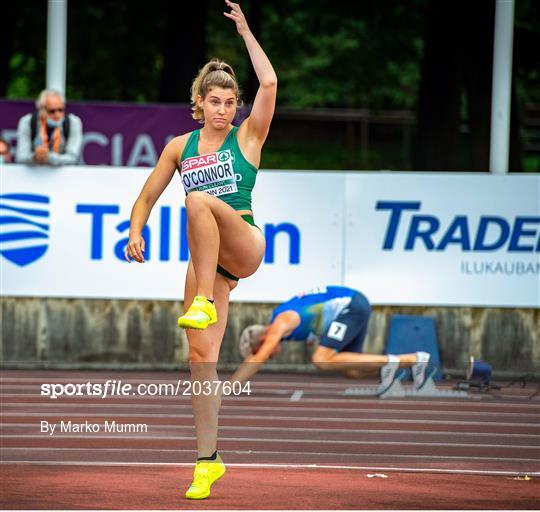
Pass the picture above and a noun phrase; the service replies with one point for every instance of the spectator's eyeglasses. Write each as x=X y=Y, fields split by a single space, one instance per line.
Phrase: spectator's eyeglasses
x=55 y=110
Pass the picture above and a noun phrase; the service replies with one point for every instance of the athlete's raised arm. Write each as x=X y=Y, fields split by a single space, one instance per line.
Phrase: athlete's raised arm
x=262 y=111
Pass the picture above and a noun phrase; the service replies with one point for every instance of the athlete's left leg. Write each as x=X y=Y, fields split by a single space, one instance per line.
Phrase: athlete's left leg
x=327 y=358
x=204 y=347
x=341 y=346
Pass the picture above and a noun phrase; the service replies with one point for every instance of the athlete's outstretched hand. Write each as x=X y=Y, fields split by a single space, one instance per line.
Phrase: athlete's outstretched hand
x=135 y=249
x=238 y=17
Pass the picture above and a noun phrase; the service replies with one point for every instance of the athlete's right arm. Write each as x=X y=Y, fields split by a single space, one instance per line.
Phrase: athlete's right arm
x=152 y=189
x=283 y=325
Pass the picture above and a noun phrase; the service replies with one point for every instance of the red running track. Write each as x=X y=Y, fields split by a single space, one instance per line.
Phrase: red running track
x=295 y=443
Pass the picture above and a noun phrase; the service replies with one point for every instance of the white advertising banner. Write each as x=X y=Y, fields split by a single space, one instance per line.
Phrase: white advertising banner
x=63 y=233
x=400 y=238
x=444 y=239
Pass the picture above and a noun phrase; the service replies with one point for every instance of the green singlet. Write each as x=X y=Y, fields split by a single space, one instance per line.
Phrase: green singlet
x=225 y=174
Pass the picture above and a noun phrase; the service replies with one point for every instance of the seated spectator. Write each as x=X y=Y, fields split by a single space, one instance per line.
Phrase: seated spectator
x=5 y=153
x=49 y=136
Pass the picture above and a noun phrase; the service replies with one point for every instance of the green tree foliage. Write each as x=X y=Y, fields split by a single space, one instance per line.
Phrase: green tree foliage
x=327 y=53
x=346 y=54
x=526 y=51
x=23 y=74
x=115 y=50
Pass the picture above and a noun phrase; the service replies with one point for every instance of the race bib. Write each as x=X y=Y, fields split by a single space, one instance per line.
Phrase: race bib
x=212 y=173
x=337 y=331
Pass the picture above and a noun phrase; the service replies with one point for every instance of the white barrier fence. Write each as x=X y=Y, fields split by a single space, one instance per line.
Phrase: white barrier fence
x=400 y=238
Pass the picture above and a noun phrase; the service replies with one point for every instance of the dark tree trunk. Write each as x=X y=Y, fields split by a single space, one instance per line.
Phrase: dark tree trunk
x=7 y=33
x=478 y=69
x=183 y=48
x=437 y=139
x=459 y=59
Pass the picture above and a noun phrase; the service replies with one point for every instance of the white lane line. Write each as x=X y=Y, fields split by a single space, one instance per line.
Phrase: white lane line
x=3 y=396
x=269 y=418
x=24 y=382
x=270 y=440
x=275 y=452
x=147 y=378
x=437 y=412
x=485 y=472
x=296 y=395
x=322 y=430
x=281 y=394
x=421 y=404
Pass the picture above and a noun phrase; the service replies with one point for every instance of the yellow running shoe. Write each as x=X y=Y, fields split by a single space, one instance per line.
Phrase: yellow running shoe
x=206 y=473
x=200 y=314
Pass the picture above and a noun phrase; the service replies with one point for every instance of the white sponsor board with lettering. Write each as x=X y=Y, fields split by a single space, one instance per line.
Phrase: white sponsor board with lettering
x=64 y=231
x=448 y=239
x=400 y=238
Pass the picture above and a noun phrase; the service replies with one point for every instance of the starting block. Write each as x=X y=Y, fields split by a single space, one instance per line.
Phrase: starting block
x=408 y=334
x=395 y=390
x=429 y=389
x=398 y=390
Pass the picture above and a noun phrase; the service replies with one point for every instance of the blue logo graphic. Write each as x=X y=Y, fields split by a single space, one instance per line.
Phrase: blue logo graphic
x=23 y=227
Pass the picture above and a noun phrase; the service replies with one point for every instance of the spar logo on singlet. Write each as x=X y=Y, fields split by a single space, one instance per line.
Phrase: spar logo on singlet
x=212 y=173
